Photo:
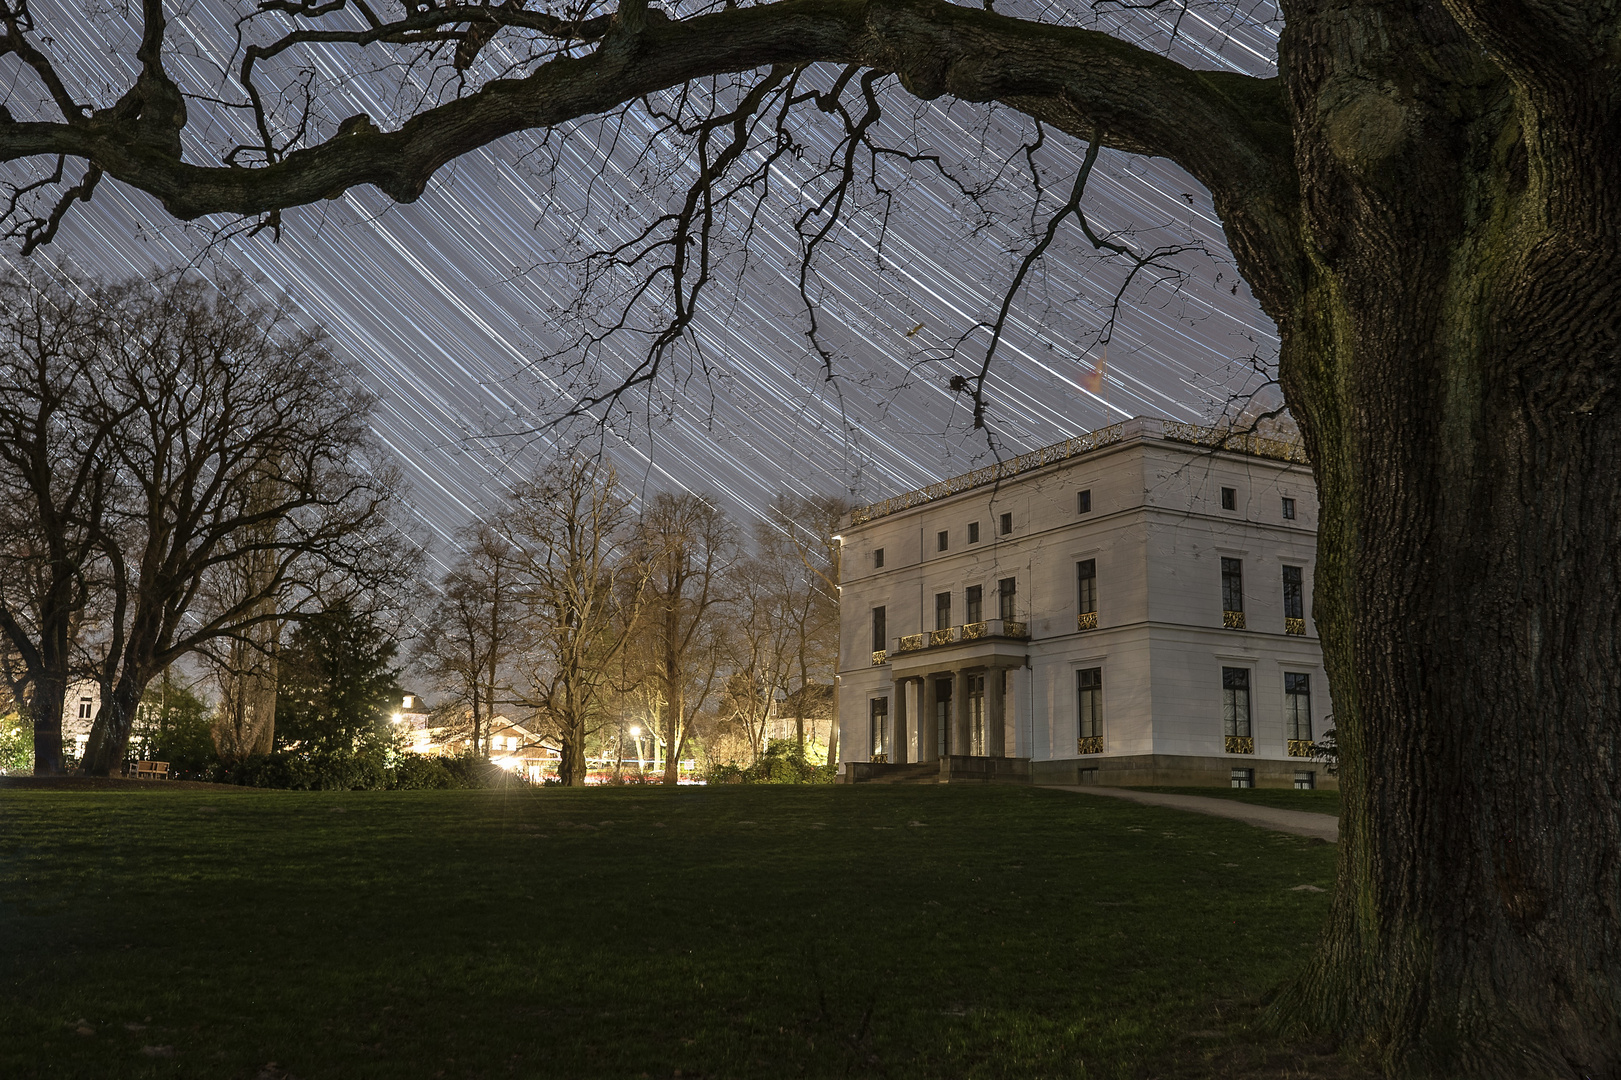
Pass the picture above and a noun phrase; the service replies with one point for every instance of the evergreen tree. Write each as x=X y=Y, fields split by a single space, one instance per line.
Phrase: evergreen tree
x=338 y=681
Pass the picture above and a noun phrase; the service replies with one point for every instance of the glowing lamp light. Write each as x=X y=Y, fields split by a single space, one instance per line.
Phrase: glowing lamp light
x=399 y=718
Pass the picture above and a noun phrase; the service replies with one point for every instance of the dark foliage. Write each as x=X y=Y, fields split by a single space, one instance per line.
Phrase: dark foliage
x=337 y=682
x=784 y=762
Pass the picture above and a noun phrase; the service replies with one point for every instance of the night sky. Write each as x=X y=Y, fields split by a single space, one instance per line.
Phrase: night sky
x=458 y=311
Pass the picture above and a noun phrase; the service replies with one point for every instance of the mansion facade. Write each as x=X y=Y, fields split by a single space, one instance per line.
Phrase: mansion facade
x=1126 y=607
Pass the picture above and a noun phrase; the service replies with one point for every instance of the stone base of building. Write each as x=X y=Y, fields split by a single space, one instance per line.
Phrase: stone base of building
x=1177 y=770
x=956 y=769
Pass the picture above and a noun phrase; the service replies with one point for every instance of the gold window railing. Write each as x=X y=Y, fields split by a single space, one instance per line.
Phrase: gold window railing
x=1296 y=627
x=943 y=637
x=1089 y=744
x=912 y=643
x=1240 y=744
x=1233 y=620
x=974 y=631
x=1086 y=620
x=1302 y=748
x=879 y=656
x=880 y=759
x=1013 y=629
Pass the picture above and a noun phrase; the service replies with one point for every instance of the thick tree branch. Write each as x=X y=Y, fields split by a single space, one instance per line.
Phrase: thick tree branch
x=1229 y=130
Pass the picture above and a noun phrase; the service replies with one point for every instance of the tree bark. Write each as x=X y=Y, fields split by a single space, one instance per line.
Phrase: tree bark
x=1453 y=360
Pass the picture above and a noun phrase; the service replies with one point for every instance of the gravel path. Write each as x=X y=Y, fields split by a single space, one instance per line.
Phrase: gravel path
x=1299 y=822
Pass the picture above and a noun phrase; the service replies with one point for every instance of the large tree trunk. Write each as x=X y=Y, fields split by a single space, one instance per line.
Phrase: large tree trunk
x=45 y=707
x=109 y=735
x=1453 y=358
x=246 y=725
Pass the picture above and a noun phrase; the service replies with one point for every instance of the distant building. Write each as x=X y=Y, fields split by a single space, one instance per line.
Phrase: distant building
x=1127 y=607
x=79 y=707
x=511 y=745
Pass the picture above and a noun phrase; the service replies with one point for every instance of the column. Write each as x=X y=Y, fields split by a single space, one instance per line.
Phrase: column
x=962 y=732
x=898 y=732
x=928 y=731
x=910 y=689
x=995 y=713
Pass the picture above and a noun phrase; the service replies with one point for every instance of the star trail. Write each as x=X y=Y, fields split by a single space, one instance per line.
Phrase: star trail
x=458 y=311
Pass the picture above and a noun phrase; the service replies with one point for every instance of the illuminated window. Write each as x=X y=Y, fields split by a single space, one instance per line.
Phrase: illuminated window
x=86 y=708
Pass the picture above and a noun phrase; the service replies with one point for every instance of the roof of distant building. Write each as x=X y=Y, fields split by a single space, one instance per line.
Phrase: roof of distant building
x=1214 y=438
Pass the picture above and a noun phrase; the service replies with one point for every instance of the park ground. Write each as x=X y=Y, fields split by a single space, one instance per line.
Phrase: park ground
x=725 y=932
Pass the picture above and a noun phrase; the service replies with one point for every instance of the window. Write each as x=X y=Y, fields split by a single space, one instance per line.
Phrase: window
x=878 y=558
x=1294 y=601
x=880 y=629
x=975 y=604
x=1086 y=586
x=880 y=729
x=1297 y=706
x=1306 y=781
x=942 y=611
x=86 y=708
x=1288 y=509
x=1088 y=776
x=942 y=715
x=1232 y=593
x=1006 y=524
x=1007 y=592
x=1229 y=498
x=973 y=532
x=1244 y=778
x=942 y=540
x=1235 y=703
x=1089 y=706
x=1083 y=501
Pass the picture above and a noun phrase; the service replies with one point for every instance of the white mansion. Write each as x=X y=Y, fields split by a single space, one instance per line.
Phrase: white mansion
x=1127 y=607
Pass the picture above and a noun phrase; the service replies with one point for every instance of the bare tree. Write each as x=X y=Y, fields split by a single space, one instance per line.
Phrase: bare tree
x=475 y=627
x=223 y=419
x=1423 y=199
x=798 y=550
x=56 y=475
x=581 y=592
x=690 y=551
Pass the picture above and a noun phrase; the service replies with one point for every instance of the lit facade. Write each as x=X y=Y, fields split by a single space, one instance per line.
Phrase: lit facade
x=1128 y=607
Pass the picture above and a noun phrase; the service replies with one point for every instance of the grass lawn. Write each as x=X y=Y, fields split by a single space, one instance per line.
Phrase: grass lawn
x=1315 y=802
x=729 y=932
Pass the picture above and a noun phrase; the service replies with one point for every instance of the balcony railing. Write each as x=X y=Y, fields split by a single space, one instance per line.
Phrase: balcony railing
x=1089 y=744
x=1086 y=620
x=1302 y=748
x=1233 y=620
x=1240 y=744
x=879 y=656
x=951 y=635
x=880 y=759
x=1296 y=627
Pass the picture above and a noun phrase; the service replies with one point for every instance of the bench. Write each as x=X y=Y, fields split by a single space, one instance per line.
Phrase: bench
x=151 y=770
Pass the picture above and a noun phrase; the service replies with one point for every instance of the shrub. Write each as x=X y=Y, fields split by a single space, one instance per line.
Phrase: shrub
x=783 y=762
